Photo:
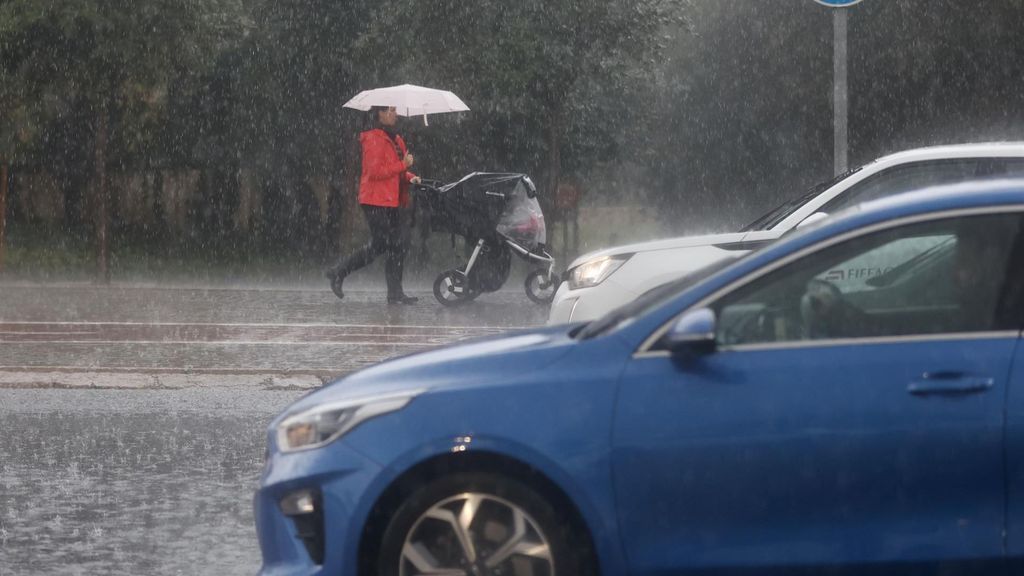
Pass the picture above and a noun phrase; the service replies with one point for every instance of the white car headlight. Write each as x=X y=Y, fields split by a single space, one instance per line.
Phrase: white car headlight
x=593 y=272
x=326 y=423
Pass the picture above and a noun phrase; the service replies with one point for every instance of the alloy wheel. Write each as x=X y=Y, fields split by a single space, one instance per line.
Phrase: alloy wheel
x=475 y=534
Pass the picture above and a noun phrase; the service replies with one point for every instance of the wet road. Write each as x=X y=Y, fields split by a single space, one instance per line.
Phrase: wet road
x=132 y=419
x=122 y=330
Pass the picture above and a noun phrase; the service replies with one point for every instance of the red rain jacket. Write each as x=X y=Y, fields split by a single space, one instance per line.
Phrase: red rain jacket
x=385 y=181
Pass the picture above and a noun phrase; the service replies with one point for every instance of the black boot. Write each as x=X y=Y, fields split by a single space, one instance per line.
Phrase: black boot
x=336 y=277
x=402 y=299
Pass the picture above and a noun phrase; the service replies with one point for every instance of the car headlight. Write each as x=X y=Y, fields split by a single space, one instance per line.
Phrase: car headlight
x=593 y=272
x=326 y=423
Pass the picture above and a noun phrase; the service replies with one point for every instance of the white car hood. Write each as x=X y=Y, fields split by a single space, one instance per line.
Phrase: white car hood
x=680 y=242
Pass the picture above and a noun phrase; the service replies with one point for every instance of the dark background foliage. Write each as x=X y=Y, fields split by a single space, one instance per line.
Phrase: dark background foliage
x=711 y=111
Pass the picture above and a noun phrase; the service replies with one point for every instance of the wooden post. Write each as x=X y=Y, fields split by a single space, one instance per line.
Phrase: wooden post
x=3 y=211
x=351 y=213
x=102 y=200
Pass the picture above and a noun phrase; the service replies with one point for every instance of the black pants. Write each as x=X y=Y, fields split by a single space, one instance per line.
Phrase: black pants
x=387 y=238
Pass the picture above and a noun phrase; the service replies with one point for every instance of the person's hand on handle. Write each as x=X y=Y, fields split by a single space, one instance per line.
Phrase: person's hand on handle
x=408 y=160
x=416 y=180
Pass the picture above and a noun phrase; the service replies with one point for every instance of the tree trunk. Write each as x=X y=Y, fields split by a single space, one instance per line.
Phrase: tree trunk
x=160 y=234
x=102 y=199
x=335 y=197
x=554 y=152
x=351 y=215
x=73 y=185
x=3 y=211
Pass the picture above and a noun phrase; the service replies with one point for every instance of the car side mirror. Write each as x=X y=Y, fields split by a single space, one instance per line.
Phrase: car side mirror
x=812 y=219
x=693 y=333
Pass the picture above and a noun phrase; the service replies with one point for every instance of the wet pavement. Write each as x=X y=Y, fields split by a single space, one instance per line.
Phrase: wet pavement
x=132 y=419
x=230 y=331
x=131 y=482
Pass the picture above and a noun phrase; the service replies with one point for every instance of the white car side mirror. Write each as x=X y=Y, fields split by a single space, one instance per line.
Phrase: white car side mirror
x=813 y=218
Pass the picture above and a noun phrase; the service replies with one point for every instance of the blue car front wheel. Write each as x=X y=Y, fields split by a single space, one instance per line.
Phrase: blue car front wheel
x=476 y=525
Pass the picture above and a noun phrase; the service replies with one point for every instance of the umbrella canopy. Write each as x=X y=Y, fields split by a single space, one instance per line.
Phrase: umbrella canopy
x=409 y=100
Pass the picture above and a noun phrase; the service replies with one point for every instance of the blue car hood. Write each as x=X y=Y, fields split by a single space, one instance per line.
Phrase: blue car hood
x=474 y=363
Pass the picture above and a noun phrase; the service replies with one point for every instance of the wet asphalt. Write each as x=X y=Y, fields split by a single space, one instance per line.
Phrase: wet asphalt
x=132 y=418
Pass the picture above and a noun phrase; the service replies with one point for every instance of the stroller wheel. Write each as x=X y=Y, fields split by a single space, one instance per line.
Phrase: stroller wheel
x=450 y=288
x=539 y=288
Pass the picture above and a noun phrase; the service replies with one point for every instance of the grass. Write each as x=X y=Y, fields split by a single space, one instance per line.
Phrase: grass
x=46 y=253
x=43 y=254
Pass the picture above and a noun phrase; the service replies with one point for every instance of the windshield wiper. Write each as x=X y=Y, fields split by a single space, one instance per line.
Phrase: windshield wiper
x=780 y=212
x=603 y=324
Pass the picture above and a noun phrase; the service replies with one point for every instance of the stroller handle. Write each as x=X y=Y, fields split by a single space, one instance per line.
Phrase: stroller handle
x=429 y=184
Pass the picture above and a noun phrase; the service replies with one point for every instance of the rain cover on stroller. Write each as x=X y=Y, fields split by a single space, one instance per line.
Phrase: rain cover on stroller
x=522 y=221
x=488 y=204
x=499 y=215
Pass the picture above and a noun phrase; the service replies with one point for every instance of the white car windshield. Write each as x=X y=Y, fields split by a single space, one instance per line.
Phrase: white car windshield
x=779 y=213
x=651 y=299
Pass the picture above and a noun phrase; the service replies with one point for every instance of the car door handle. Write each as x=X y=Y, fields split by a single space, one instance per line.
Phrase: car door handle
x=950 y=383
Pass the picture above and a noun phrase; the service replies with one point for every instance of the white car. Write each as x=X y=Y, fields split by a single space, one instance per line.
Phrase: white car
x=601 y=281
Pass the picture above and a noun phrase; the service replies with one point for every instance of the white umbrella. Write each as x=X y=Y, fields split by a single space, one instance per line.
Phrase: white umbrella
x=409 y=100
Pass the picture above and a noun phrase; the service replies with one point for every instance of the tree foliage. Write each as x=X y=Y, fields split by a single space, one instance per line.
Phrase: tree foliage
x=88 y=81
x=121 y=55
x=545 y=79
x=698 y=104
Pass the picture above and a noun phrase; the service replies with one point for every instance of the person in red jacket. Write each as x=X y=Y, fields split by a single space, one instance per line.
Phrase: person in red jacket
x=383 y=190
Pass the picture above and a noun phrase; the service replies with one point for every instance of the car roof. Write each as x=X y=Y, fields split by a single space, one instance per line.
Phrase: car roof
x=929 y=153
x=869 y=170
x=969 y=150
x=968 y=195
x=963 y=195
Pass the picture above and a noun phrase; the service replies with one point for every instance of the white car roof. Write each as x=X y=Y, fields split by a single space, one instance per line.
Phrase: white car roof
x=952 y=151
x=946 y=152
x=976 y=150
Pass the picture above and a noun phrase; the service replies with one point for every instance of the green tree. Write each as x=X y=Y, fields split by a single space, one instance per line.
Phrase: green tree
x=743 y=117
x=933 y=72
x=273 y=105
x=552 y=83
x=113 y=61
x=742 y=109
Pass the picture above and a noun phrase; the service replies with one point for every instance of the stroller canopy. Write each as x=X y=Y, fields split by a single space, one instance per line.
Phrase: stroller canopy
x=482 y=204
x=500 y=182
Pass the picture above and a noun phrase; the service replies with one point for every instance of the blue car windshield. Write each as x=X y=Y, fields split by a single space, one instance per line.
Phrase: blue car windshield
x=651 y=299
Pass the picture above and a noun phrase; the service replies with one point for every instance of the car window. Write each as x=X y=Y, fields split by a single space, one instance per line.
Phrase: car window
x=890 y=263
x=926 y=278
x=907 y=178
x=1010 y=168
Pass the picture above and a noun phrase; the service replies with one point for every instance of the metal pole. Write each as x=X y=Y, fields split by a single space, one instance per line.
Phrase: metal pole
x=839 y=92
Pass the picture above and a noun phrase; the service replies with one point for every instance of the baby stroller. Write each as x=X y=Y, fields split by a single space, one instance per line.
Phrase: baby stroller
x=498 y=215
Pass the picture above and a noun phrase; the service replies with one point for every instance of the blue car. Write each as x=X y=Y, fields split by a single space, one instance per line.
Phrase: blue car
x=846 y=401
